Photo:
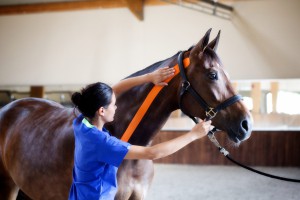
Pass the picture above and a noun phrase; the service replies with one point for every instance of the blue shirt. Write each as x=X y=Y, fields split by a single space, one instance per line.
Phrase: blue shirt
x=97 y=157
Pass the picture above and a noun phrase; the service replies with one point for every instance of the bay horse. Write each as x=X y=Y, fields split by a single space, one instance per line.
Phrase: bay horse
x=37 y=141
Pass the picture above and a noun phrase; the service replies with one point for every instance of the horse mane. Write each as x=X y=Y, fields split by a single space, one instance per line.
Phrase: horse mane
x=208 y=51
x=153 y=67
x=157 y=65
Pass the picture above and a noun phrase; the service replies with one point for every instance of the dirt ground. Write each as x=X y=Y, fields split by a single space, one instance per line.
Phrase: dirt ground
x=194 y=182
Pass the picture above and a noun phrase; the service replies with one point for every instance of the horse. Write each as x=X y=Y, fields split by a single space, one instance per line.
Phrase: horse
x=37 y=141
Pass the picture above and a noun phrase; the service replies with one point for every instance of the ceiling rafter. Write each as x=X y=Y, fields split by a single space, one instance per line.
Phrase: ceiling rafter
x=135 y=6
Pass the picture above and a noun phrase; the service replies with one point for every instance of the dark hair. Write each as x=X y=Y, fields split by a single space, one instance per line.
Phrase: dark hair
x=91 y=98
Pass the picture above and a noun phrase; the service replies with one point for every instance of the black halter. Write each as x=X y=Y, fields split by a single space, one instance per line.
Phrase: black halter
x=210 y=112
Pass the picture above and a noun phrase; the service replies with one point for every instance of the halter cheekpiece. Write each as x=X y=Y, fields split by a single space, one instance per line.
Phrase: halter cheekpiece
x=186 y=86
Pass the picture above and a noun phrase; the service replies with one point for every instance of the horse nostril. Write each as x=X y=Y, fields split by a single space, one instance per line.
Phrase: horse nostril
x=244 y=130
x=244 y=125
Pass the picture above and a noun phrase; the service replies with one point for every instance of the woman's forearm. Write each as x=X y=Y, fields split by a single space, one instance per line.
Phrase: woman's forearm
x=160 y=150
x=128 y=83
x=169 y=147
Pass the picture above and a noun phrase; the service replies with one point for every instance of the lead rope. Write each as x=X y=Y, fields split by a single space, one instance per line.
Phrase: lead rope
x=211 y=136
x=214 y=140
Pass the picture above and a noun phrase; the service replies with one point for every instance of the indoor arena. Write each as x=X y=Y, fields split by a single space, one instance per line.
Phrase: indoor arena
x=149 y=100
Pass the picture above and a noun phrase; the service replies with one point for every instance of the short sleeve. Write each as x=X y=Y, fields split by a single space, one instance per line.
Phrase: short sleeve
x=112 y=150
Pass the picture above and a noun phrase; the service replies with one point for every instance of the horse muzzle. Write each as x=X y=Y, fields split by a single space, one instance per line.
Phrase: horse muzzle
x=241 y=131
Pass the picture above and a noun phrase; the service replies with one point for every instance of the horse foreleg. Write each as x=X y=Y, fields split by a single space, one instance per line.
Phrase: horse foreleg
x=22 y=196
x=8 y=189
x=134 y=179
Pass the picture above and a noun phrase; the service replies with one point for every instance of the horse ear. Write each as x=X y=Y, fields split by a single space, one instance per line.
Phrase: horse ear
x=199 y=47
x=214 y=44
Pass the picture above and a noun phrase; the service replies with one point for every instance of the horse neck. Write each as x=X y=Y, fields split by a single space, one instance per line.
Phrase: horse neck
x=156 y=116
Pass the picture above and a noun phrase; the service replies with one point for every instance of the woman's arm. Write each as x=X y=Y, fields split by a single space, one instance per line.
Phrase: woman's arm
x=167 y=148
x=157 y=77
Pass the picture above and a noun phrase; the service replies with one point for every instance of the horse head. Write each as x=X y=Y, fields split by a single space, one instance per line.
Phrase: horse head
x=216 y=98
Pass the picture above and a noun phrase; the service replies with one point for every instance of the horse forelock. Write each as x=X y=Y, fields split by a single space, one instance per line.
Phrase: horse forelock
x=226 y=86
x=214 y=57
x=212 y=54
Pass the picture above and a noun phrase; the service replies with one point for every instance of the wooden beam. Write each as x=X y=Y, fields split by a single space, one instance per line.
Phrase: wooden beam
x=60 y=6
x=68 y=6
x=136 y=7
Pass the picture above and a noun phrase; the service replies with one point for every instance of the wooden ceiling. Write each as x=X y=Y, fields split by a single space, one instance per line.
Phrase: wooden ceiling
x=8 y=7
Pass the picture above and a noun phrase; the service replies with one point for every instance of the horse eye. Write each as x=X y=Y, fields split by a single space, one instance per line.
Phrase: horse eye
x=213 y=76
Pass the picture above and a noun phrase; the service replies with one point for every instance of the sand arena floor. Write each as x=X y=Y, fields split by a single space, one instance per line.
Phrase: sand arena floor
x=194 y=182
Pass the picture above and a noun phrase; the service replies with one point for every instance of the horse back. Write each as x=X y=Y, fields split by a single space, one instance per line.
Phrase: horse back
x=36 y=140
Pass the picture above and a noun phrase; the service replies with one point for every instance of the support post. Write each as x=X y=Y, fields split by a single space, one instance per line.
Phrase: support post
x=256 y=96
x=274 y=91
x=37 y=91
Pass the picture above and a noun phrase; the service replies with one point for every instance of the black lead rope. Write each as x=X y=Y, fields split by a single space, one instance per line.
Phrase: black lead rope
x=262 y=173
x=226 y=154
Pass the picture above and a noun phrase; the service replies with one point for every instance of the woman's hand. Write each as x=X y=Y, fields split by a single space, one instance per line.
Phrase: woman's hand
x=201 y=129
x=169 y=147
x=158 y=76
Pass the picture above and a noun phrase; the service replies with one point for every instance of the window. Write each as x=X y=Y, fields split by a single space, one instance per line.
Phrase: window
x=248 y=102
x=287 y=102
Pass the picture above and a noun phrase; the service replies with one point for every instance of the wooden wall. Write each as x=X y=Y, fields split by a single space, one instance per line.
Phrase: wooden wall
x=263 y=148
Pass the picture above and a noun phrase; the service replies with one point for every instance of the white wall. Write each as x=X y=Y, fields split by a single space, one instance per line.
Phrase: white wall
x=79 y=47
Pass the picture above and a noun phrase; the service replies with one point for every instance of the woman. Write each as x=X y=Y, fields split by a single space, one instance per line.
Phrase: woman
x=98 y=154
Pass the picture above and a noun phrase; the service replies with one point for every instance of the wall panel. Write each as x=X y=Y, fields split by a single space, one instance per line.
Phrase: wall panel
x=263 y=148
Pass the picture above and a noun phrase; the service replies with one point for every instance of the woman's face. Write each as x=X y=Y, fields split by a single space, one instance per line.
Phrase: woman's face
x=109 y=112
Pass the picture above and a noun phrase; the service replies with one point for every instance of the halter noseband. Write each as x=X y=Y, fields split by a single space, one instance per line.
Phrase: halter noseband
x=186 y=86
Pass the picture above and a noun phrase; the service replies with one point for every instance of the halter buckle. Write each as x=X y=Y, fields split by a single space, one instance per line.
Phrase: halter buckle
x=210 y=113
x=185 y=85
